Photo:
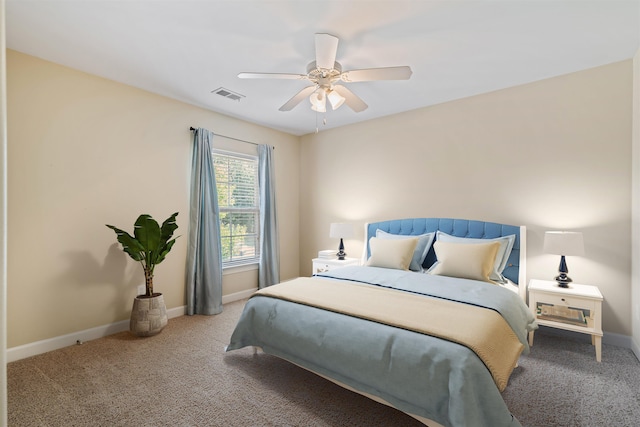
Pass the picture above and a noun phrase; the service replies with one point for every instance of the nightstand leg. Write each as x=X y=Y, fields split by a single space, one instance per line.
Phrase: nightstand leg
x=597 y=341
x=531 y=339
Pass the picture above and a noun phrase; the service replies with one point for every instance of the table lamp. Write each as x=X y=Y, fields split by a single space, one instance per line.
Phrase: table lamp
x=563 y=243
x=340 y=230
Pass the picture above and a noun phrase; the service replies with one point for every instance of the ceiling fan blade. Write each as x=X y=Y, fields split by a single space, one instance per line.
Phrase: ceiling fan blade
x=370 y=74
x=326 y=50
x=272 y=76
x=351 y=99
x=297 y=98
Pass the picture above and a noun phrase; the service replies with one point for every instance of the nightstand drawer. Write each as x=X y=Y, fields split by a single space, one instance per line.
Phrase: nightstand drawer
x=566 y=301
x=321 y=265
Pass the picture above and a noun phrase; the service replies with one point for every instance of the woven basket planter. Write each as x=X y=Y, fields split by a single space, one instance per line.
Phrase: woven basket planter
x=148 y=315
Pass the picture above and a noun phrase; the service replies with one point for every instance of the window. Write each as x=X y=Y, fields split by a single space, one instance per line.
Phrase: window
x=238 y=201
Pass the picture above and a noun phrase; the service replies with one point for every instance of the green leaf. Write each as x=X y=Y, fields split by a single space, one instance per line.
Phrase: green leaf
x=147 y=232
x=164 y=251
x=129 y=244
x=168 y=227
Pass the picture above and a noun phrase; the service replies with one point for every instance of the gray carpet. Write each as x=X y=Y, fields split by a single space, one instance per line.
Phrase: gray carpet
x=181 y=377
x=560 y=384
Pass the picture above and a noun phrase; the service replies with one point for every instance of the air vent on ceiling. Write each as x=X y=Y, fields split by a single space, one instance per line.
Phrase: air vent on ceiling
x=228 y=94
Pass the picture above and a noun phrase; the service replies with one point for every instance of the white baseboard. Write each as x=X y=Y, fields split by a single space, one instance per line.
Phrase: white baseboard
x=75 y=338
x=238 y=296
x=635 y=348
x=609 y=338
x=618 y=340
x=39 y=347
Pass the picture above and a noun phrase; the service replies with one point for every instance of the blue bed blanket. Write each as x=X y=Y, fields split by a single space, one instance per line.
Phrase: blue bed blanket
x=418 y=374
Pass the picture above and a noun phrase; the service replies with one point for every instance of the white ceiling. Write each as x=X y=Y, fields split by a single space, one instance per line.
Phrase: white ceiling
x=184 y=49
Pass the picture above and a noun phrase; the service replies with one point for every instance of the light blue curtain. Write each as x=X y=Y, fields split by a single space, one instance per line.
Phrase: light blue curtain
x=269 y=271
x=204 y=253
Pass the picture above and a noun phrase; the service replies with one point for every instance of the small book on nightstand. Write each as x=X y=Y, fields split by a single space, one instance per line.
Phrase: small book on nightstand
x=327 y=254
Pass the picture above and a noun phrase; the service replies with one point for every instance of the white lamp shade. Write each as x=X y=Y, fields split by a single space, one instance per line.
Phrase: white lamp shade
x=318 y=101
x=335 y=99
x=563 y=243
x=341 y=230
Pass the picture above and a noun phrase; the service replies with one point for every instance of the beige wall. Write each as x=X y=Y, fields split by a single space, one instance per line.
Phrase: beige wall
x=550 y=155
x=3 y=223
x=554 y=154
x=84 y=152
x=635 y=197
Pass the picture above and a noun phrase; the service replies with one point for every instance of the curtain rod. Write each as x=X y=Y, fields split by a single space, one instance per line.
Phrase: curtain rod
x=228 y=137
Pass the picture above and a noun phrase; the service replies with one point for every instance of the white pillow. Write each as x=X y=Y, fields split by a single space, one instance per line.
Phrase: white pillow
x=502 y=257
x=465 y=260
x=391 y=253
x=422 y=247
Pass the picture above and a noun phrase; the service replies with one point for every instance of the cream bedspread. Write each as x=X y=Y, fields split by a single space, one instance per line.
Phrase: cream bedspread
x=482 y=330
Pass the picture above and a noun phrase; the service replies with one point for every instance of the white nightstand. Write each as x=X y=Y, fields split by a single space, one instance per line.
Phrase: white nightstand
x=320 y=265
x=577 y=308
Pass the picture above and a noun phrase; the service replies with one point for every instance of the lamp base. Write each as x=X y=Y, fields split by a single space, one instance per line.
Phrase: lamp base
x=341 y=253
x=563 y=280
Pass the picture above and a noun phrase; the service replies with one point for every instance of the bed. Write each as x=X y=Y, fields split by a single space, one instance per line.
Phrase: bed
x=432 y=323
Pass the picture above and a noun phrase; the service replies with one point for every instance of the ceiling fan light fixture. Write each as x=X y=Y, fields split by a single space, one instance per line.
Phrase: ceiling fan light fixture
x=318 y=101
x=335 y=99
x=324 y=72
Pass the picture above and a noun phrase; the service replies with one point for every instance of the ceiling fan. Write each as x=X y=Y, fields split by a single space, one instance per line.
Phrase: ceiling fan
x=327 y=79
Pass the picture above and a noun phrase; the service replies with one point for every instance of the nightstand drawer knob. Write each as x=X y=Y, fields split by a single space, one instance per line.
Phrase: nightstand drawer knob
x=563 y=299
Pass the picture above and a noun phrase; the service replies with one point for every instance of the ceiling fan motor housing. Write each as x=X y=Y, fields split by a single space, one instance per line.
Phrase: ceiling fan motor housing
x=324 y=77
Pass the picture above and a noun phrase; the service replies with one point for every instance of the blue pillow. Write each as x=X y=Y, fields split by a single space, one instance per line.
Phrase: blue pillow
x=420 y=253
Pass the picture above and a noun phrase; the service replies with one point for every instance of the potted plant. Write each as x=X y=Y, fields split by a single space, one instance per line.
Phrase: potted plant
x=149 y=245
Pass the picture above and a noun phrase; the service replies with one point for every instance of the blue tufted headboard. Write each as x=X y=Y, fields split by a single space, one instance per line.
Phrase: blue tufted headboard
x=515 y=270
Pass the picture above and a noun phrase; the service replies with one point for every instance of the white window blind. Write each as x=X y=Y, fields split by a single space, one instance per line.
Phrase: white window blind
x=238 y=200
